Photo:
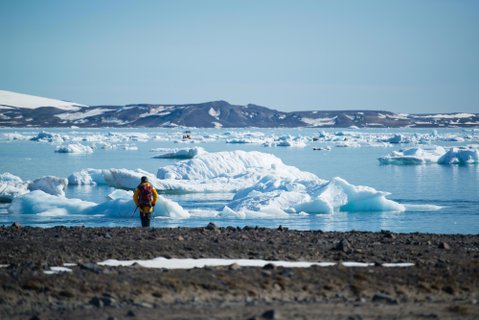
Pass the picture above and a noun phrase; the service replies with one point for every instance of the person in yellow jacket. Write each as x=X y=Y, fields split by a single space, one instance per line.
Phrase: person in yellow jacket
x=145 y=197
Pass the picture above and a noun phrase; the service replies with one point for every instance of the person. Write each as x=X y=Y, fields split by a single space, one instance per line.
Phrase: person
x=145 y=197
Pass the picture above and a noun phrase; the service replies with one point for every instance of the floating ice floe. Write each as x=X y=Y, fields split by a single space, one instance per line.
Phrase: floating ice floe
x=434 y=154
x=74 y=148
x=87 y=177
x=117 y=178
x=184 y=153
x=224 y=172
x=414 y=155
x=41 y=203
x=48 y=137
x=11 y=186
x=460 y=155
x=269 y=186
x=50 y=184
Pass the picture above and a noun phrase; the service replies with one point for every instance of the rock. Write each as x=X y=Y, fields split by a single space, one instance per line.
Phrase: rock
x=91 y=267
x=108 y=236
x=35 y=318
x=16 y=225
x=180 y=238
x=97 y=302
x=131 y=313
x=444 y=245
x=269 y=266
x=381 y=297
x=234 y=266
x=271 y=314
x=388 y=234
x=344 y=245
x=211 y=226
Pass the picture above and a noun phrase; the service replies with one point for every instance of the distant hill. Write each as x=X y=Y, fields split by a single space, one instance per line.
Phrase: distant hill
x=20 y=110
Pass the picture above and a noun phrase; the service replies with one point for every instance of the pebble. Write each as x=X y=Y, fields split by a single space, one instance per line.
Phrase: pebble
x=211 y=226
x=381 y=297
x=344 y=245
x=444 y=245
x=271 y=314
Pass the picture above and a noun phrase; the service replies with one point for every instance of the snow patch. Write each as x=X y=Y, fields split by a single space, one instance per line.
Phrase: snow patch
x=19 y=100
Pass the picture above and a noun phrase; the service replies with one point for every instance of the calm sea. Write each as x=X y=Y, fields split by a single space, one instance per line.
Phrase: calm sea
x=453 y=187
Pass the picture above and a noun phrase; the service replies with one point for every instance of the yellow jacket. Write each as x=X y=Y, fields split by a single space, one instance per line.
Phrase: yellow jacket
x=136 y=198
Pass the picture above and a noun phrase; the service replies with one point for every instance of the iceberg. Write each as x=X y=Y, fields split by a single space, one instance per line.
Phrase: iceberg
x=413 y=156
x=50 y=184
x=87 y=177
x=283 y=196
x=224 y=172
x=117 y=178
x=39 y=202
x=461 y=155
x=434 y=154
x=185 y=153
x=74 y=148
x=11 y=186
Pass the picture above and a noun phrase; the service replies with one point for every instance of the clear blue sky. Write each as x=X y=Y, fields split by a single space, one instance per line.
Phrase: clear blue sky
x=402 y=56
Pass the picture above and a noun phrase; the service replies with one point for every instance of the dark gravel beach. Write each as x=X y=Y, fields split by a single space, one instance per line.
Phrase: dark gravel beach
x=443 y=283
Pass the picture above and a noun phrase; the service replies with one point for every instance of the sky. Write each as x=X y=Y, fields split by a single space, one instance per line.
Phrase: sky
x=416 y=56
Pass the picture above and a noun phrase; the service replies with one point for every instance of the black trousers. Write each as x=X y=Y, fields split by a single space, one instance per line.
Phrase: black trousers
x=145 y=218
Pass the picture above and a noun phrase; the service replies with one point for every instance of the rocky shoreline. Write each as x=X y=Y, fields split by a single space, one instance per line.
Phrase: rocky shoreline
x=443 y=283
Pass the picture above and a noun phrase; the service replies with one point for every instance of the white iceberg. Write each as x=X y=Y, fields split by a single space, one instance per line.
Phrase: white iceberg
x=11 y=186
x=48 y=137
x=461 y=155
x=87 y=177
x=413 y=156
x=117 y=178
x=434 y=154
x=74 y=148
x=49 y=184
x=224 y=172
x=39 y=202
x=184 y=153
x=283 y=196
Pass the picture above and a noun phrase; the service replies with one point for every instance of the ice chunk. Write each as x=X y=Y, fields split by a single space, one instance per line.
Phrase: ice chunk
x=11 y=186
x=414 y=155
x=74 y=148
x=117 y=178
x=185 y=153
x=120 y=194
x=463 y=155
x=282 y=196
x=224 y=172
x=50 y=184
x=127 y=179
x=39 y=202
x=87 y=177
x=47 y=137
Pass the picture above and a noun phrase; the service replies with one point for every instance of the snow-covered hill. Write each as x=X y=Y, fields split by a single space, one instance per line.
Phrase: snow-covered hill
x=20 y=110
x=9 y=99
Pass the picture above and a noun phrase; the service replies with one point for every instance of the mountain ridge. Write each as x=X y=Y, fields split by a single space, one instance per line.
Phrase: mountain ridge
x=213 y=114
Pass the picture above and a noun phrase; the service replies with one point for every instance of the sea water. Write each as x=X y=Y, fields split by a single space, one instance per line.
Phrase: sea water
x=455 y=188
